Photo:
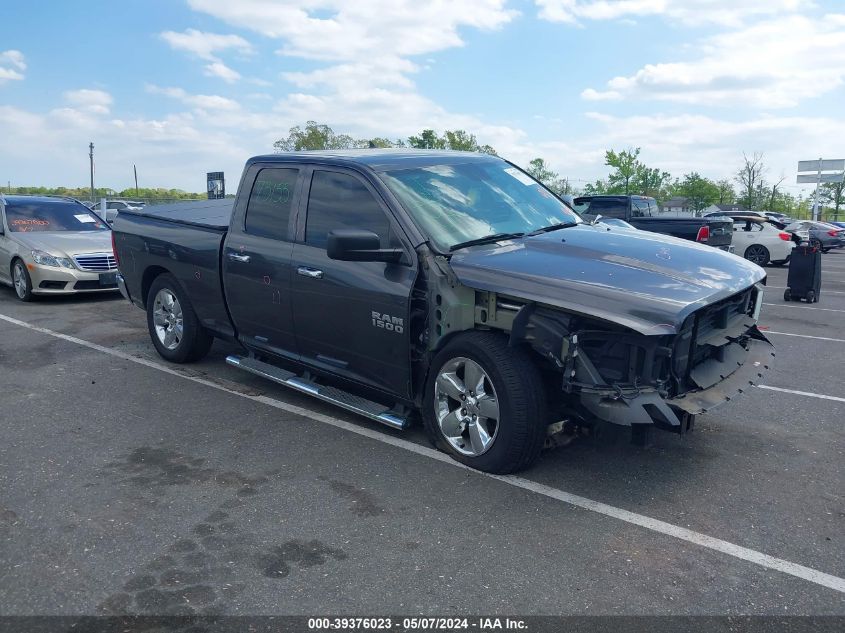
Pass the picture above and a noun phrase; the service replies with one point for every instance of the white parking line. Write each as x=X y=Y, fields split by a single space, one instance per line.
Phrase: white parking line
x=655 y=525
x=783 y=305
x=818 y=338
x=803 y=393
x=824 y=292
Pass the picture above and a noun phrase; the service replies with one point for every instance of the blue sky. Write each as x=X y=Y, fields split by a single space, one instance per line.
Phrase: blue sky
x=184 y=87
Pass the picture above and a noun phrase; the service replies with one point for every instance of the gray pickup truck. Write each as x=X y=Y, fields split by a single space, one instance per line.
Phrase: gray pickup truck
x=642 y=213
x=449 y=285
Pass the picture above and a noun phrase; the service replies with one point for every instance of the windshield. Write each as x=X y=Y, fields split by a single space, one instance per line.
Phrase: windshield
x=458 y=203
x=50 y=217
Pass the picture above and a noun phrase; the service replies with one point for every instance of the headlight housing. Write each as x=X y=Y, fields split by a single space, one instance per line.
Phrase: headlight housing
x=45 y=259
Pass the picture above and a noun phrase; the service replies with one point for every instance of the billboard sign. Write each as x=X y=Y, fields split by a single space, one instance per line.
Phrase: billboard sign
x=216 y=185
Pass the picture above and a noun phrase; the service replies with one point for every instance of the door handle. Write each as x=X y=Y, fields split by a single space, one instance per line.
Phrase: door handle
x=309 y=272
x=239 y=258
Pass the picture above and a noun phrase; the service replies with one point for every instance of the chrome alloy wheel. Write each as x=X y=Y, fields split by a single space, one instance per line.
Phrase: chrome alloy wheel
x=167 y=318
x=19 y=278
x=466 y=406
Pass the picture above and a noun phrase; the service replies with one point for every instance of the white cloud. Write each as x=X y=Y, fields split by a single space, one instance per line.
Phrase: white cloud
x=203 y=102
x=91 y=101
x=772 y=64
x=222 y=71
x=12 y=65
x=343 y=30
x=713 y=147
x=691 y=12
x=206 y=45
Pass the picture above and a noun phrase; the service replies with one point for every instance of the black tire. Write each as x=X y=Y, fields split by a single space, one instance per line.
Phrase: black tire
x=810 y=296
x=787 y=295
x=24 y=291
x=758 y=254
x=518 y=385
x=816 y=244
x=782 y=262
x=195 y=341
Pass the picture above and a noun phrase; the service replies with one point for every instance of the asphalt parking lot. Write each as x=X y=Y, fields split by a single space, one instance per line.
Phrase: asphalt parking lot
x=132 y=486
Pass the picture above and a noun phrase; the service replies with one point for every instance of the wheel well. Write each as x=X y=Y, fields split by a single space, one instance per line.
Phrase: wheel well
x=12 y=264
x=452 y=336
x=150 y=275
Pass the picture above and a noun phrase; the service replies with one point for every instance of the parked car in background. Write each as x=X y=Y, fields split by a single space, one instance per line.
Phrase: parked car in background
x=54 y=246
x=841 y=225
x=777 y=217
x=820 y=234
x=760 y=241
x=622 y=224
x=113 y=207
x=642 y=213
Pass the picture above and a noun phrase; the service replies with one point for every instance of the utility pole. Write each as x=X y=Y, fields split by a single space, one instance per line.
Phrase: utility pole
x=135 y=169
x=91 y=156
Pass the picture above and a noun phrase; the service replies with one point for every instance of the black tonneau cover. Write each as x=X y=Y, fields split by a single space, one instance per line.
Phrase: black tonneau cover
x=213 y=214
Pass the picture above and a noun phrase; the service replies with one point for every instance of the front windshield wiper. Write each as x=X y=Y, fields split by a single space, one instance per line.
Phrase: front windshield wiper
x=553 y=227
x=487 y=239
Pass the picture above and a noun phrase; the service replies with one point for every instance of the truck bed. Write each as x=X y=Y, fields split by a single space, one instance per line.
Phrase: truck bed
x=212 y=214
x=184 y=239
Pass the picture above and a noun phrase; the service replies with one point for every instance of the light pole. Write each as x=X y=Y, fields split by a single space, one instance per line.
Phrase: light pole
x=91 y=156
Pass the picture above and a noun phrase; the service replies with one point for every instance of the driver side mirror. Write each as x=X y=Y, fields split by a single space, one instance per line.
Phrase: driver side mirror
x=354 y=245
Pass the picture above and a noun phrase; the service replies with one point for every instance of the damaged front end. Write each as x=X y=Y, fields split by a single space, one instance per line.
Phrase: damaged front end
x=630 y=379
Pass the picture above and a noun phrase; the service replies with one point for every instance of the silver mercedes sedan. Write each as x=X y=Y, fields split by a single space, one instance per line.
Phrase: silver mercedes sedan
x=51 y=245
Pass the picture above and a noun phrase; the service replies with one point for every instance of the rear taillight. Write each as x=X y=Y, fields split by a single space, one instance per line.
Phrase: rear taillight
x=114 y=249
x=785 y=236
x=833 y=233
x=703 y=234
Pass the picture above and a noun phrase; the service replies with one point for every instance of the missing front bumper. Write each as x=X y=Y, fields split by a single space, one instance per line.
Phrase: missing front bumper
x=743 y=368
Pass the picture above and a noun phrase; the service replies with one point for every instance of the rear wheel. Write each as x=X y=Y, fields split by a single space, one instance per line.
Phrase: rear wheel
x=810 y=296
x=21 y=281
x=787 y=295
x=174 y=328
x=758 y=254
x=485 y=404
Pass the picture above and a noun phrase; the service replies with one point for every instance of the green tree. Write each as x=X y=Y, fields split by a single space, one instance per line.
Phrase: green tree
x=381 y=142
x=458 y=140
x=625 y=166
x=314 y=136
x=727 y=195
x=833 y=193
x=597 y=188
x=650 y=181
x=427 y=139
x=699 y=192
x=541 y=171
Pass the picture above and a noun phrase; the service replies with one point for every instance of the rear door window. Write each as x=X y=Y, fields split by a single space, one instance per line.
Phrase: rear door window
x=270 y=202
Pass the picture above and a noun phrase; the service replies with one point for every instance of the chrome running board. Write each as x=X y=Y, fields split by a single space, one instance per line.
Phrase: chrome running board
x=332 y=395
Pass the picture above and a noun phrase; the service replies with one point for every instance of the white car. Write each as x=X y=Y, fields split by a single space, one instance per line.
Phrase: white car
x=113 y=207
x=760 y=241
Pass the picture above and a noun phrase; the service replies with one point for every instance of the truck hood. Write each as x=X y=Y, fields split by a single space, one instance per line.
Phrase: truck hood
x=641 y=280
x=66 y=243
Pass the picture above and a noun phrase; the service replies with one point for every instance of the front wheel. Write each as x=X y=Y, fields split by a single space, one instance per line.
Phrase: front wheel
x=174 y=327
x=811 y=296
x=484 y=404
x=758 y=254
x=22 y=281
